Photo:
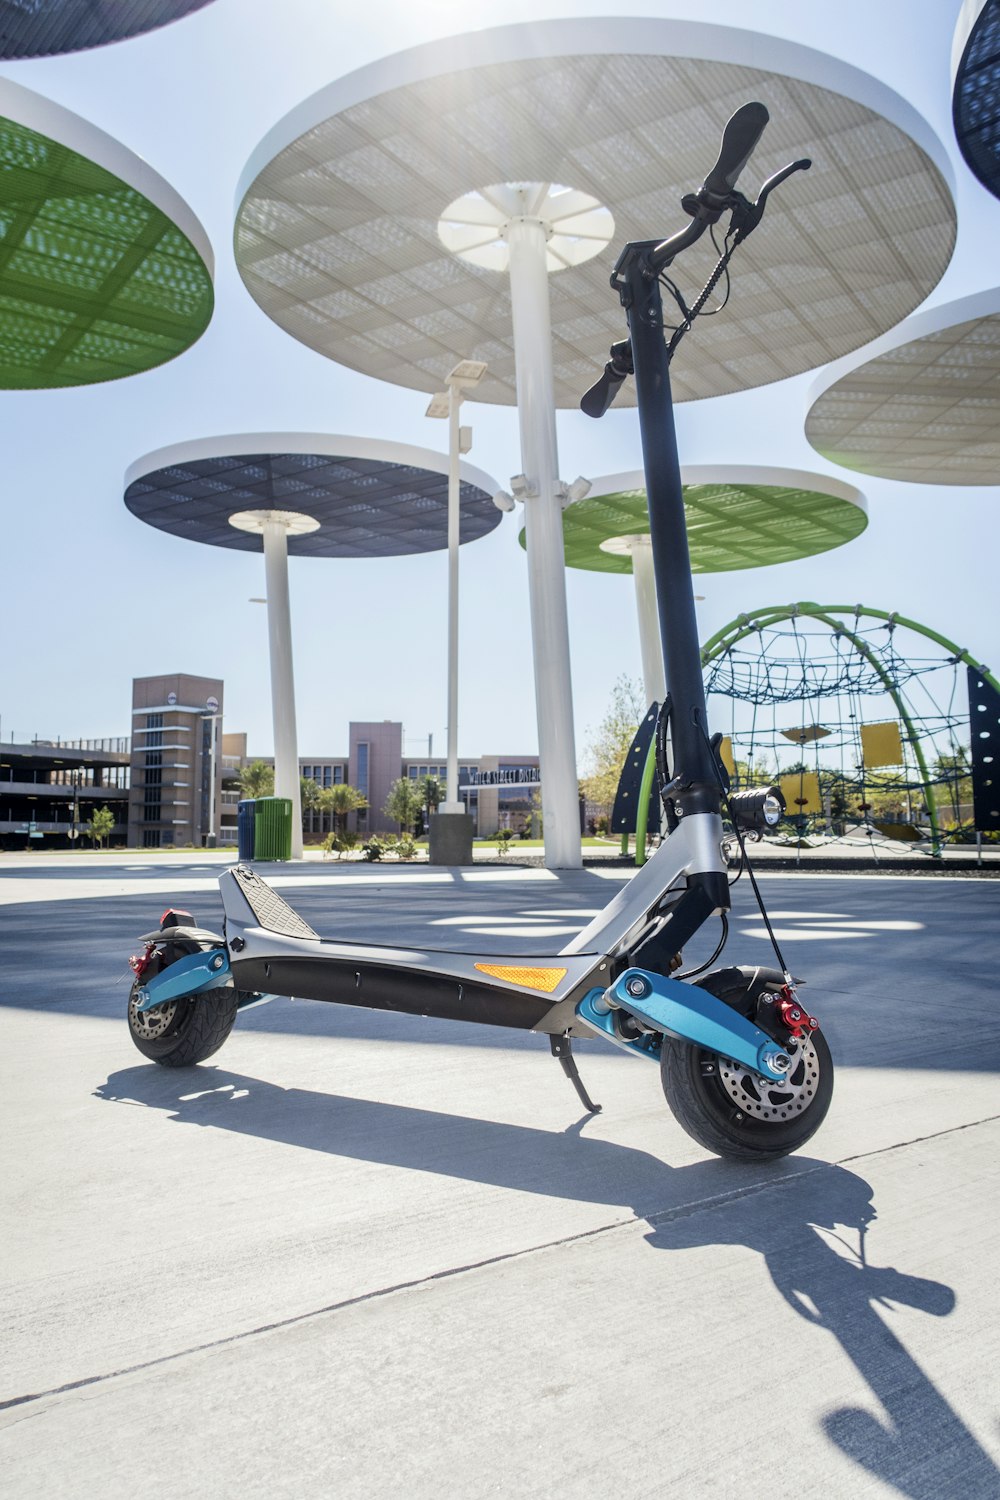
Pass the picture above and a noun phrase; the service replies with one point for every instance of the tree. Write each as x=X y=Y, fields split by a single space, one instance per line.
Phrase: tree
x=431 y=793
x=339 y=800
x=610 y=742
x=102 y=821
x=257 y=780
x=309 y=794
x=405 y=801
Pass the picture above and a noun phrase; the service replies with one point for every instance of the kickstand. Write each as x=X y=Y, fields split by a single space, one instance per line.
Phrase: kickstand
x=562 y=1047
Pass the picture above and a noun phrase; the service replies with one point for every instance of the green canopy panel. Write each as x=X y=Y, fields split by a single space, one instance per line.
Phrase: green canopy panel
x=730 y=526
x=96 y=281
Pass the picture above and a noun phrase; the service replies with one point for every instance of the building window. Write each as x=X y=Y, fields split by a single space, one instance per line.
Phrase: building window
x=154 y=721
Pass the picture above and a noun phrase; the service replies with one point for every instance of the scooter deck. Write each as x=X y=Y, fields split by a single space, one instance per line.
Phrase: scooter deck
x=272 y=950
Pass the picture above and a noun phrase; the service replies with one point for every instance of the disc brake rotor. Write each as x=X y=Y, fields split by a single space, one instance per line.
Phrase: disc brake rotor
x=150 y=1024
x=765 y=1099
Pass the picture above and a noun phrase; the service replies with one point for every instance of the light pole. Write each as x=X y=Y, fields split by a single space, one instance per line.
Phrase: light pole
x=211 y=719
x=466 y=374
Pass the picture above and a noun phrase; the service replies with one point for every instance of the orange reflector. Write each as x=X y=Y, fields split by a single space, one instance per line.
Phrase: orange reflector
x=531 y=979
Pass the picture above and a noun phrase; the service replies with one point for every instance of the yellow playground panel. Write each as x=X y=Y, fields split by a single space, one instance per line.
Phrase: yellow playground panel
x=801 y=792
x=881 y=745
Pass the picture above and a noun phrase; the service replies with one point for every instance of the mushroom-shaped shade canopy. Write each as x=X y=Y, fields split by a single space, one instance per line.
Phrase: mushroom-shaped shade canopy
x=976 y=89
x=338 y=231
x=43 y=27
x=925 y=407
x=371 y=498
x=106 y=271
x=738 y=516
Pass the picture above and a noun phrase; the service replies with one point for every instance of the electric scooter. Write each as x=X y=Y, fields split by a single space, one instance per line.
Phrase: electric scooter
x=744 y=1067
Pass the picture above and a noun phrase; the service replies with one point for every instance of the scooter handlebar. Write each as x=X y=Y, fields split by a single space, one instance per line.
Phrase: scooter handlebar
x=739 y=140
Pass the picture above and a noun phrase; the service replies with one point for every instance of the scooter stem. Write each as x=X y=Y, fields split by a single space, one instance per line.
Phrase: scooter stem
x=698 y=787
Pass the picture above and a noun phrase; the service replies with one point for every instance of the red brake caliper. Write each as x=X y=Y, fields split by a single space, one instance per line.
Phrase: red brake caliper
x=798 y=1021
x=140 y=962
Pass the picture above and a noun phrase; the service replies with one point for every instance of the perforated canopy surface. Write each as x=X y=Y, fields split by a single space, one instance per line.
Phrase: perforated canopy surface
x=104 y=271
x=367 y=505
x=926 y=408
x=733 y=522
x=337 y=237
x=976 y=93
x=38 y=28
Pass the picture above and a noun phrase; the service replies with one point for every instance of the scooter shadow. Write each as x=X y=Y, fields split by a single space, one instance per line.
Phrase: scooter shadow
x=792 y=1212
x=573 y=1164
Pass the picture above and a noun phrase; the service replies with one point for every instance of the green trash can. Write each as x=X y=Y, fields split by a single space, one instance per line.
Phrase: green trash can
x=273 y=828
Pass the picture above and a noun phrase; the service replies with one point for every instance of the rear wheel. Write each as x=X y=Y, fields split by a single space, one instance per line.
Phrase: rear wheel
x=180 y=1033
x=733 y=1111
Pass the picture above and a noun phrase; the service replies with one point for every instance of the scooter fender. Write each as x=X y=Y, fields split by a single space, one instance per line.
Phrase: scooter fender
x=685 y=1011
x=188 y=976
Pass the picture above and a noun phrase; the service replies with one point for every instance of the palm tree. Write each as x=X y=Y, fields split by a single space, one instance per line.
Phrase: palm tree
x=339 y=800
x=257 y=780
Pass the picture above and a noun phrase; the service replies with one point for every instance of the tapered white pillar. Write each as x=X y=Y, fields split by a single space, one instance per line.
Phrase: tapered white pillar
x=279 y=638
x=653 y=680
x=536 y=411
x=530 y=229
x=451 y=803
x=275 y=526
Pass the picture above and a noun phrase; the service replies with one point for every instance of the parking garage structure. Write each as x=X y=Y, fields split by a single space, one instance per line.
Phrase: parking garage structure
x=49 y=790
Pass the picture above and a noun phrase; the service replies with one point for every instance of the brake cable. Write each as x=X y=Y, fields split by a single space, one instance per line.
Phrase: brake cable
x=745 y=859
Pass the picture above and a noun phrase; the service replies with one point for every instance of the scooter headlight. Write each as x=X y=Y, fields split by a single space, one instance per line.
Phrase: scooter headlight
x=758 y=807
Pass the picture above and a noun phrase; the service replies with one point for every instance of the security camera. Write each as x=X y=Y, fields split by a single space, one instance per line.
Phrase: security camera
x=503 y=501
x=523 y=487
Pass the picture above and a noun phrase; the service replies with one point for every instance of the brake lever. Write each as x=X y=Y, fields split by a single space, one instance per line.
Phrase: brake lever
x=747 y=215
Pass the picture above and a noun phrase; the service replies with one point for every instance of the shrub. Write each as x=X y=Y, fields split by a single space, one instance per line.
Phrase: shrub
x=374 y=847
x=406 y=846
x=340 y=842
x=504 y=836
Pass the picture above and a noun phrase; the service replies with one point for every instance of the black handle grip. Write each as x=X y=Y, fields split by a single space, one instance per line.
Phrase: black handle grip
x=743 y=130
x=595 y=402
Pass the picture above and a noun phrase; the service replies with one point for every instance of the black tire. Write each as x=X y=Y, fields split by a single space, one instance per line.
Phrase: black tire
x=726 y=1107
x=180 y=1033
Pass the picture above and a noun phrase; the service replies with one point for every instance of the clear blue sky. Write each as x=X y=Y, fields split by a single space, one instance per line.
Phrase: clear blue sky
x=92 y=598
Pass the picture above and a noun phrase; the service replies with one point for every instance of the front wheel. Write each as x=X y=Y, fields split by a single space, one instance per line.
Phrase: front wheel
x=182 y=1032
x=733 y=1111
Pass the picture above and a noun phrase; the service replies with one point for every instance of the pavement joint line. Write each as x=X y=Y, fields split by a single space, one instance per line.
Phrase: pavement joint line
x=701 y=1205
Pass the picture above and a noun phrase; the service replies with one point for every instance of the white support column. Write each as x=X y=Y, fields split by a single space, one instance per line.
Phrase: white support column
x=650 y=645
x=279 y=633
x=526 y=239
x=451 y=803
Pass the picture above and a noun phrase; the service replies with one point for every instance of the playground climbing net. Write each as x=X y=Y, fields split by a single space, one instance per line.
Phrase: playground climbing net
x=862 y=716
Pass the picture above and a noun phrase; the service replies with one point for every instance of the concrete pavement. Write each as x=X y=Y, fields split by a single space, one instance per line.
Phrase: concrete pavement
x=361 y=1254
